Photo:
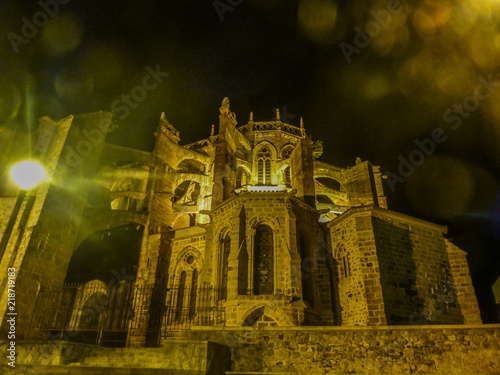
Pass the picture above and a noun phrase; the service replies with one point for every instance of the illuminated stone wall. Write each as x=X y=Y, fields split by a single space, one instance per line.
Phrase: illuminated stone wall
x=450 y=349
x=401 y=271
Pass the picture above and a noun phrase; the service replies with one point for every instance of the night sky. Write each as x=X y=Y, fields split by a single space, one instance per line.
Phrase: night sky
x=371 y=79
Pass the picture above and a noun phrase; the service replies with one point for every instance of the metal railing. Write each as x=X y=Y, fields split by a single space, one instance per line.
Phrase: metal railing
x=94 y=314
x=188 y=307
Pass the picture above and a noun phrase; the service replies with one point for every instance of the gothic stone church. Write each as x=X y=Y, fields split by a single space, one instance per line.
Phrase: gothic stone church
x=250 y=214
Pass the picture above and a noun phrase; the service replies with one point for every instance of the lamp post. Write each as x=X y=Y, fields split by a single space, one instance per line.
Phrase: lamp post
x=26 y=174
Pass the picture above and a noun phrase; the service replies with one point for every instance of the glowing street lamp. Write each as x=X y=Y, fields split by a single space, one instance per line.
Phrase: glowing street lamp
x=26 y=174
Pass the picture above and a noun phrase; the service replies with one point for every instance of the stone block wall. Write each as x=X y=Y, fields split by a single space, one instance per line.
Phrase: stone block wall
x=462 y=282
x=314 y=269
x=7 y=205
x=364 y=184
x=415 y=271
x=399 y=271
x=453 y=349
x=200 y=357
x=359 y=291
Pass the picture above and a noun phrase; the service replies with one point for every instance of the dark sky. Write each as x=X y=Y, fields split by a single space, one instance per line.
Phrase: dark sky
x=424 y=65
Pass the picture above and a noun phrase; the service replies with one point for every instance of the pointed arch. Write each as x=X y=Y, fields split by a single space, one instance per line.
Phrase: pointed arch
x=286 y=151
x=265 y=155
x=265 y=312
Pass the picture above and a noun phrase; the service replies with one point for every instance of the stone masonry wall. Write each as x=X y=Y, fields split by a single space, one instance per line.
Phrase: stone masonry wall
x=314 y=269
x=453 y=349
x=196 y=356
x=463 y=284
x=354 y=309
x=415 y=272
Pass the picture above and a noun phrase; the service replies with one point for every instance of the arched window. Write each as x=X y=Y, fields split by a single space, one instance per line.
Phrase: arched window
x=264 y=166
x=263 y=261
x=306 y=265
x=225 y=248
x=286 y=153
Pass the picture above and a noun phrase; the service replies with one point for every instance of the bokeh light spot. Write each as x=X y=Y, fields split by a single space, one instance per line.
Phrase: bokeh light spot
x=317 y=20
x=73 y=85
x=105 y=64
x=440 y=188
x=376 y=87
x=62 y=35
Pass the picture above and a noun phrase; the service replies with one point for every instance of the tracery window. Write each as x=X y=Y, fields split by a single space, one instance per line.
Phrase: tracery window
x=263 y=260
x=287 y=152
x=264 y=166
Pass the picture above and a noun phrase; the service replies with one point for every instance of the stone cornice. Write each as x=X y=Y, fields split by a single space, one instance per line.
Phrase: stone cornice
x=382 y=212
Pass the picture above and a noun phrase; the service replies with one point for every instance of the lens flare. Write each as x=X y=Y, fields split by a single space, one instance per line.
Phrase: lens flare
x=27 y=174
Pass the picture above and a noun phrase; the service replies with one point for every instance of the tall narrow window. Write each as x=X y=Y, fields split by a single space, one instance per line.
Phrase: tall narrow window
x=288 y=177
x=345 y=261
x=238 y=178
x=267 y=168
x=180 y=296
x=192 y=297
x=241 y=178
x=225 y=249
x=264 y=166
x=306 y=269
x=263 y=261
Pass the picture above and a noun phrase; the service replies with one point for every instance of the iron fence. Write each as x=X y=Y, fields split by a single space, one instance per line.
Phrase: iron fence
x=188 y=307
x=95 y=314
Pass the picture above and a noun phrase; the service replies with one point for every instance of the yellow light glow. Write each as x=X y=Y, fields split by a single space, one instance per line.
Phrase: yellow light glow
x=27 y=174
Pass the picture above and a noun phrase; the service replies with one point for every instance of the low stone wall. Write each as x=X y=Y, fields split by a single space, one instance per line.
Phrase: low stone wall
x=450 y=349
x=192 y=356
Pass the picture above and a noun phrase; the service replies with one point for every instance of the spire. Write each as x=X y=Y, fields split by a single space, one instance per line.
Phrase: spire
x=301 y=123
x=251 y=117
x=225 y=106
x=212 y=131
x=278 y=114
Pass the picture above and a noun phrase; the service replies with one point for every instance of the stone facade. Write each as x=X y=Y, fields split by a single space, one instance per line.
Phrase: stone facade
x=287 y=240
